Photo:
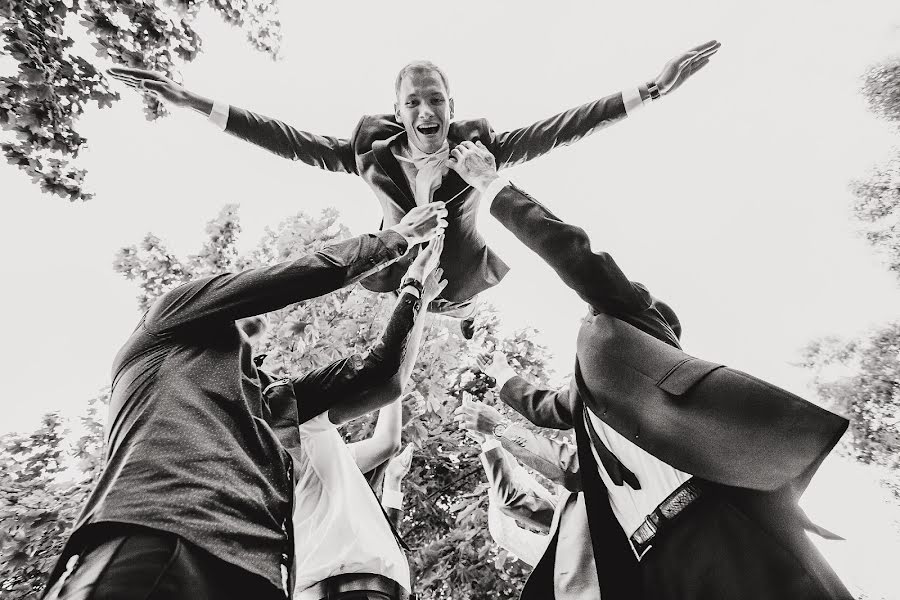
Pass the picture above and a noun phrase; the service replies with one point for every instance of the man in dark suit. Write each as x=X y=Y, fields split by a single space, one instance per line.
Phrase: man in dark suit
x=402 y=156
x=195 y=497
x=702 y=465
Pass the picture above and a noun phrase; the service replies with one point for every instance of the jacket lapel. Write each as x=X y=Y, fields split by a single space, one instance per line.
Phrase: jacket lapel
x=390 y=165
x=451 y=185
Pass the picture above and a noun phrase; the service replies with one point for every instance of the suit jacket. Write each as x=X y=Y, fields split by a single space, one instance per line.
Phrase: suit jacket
x=713 y=422
x=184 y=385
x=470 y=266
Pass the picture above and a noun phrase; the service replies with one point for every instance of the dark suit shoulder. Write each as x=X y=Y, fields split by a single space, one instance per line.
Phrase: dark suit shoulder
x=373 y=128
x=471 y=130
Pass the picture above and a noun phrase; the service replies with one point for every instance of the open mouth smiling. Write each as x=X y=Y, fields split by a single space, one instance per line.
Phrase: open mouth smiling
x=428 y=129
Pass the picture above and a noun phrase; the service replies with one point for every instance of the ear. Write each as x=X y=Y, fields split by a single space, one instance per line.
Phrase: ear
x=451 y=108
x=397 y=112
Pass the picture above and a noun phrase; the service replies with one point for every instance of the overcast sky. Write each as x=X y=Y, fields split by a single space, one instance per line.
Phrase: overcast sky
x=728 y=199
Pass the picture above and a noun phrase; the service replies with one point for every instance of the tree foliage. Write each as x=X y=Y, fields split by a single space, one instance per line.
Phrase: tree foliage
x=877 y=210
x=861 y=378
x=46 y=480
x=445 y=502
x=40 y=105
x=881 y=89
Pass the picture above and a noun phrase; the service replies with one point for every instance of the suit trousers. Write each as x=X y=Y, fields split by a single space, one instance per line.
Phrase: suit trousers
x=714 y=550
x=144 y=564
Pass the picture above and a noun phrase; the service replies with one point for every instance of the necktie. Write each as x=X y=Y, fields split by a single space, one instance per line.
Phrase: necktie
x=618 y=472
x=430 y=169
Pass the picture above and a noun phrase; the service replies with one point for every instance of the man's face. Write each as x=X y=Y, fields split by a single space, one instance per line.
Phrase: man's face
x=425 y=109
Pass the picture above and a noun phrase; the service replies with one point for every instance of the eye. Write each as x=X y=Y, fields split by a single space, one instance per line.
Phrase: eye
x=411 y=102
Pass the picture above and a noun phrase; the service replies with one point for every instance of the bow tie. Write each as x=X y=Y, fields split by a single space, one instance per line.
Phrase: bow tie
x=430 y=169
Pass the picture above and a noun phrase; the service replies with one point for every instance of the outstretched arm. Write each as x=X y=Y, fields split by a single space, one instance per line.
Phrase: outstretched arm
x=523 y=144
x=354 y=386
x=516 y=493
x=543 y=407
x=230 y=296
x=385 y=439
x=566 y=248
x=325 y=152
x=554 y=459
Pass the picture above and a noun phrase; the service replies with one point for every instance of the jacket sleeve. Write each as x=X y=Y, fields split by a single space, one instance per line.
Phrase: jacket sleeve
x=349 y=378
x=231 y=296
x=326 y=152
x=543 y=407
x=518 y=501
x=594 y=276
x=523 y=144
x=554 y=459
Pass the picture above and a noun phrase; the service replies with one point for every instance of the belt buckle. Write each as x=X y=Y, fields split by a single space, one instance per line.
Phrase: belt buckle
x=645 y=532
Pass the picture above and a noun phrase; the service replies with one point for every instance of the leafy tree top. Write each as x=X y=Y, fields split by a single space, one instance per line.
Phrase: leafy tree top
x=40 y=105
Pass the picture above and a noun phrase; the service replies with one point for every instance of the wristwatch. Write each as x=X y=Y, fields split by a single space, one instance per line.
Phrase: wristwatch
x=413 y=282
x=653 y=89
x=500 y=427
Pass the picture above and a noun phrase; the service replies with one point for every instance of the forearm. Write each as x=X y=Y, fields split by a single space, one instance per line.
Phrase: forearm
x=566 y=248
x=554 y=459
x=526 y=143
x=525 y=505
x=230 y=296
x=375 y=378
x=543 y=407
x=197 y=103
x=384 y=442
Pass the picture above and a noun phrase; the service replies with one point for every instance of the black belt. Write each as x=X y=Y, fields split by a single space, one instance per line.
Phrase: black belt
x=642 y=539
x=355 y=582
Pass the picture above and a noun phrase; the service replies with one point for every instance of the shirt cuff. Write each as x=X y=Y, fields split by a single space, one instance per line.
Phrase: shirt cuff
x=633 y=101
x=392 y=498
x=503 y=376
x=493 y=189
x=218 y=116
x=489 y=444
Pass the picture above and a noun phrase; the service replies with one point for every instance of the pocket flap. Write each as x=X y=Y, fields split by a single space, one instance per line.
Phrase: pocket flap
x=685 y=375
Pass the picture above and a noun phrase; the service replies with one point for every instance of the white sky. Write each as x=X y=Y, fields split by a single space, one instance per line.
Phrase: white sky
x=729 y=198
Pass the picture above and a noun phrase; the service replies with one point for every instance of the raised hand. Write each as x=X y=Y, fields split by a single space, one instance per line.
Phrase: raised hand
x=478 y=416
x=474 y=163
x=679 y=69
x=494 y=364
x=413 y=406
x=422 y=223
x=428 y=259
x=156 y=84
x=398 y=468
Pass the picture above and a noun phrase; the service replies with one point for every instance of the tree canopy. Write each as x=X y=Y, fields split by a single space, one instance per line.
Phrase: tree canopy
x=861 y=376
x=41 y=103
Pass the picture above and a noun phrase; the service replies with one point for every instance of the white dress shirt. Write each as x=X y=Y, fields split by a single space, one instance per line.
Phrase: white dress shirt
x=338 y=525
x=657 y=478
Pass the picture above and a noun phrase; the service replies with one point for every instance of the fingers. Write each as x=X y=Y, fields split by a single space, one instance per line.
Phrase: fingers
x=710 y=45
x=699 y=65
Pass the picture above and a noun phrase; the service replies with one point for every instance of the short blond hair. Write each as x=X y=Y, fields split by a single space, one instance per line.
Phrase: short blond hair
x=420 y=66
